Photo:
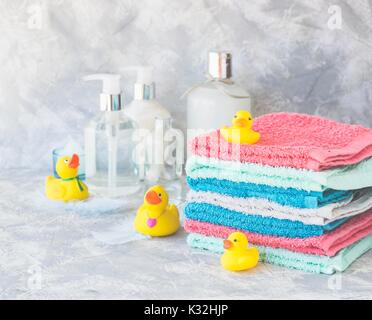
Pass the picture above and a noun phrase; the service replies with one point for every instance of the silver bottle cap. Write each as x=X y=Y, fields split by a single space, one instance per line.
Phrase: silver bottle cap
x=110 y=102
x=219 y=65
x=144 y=91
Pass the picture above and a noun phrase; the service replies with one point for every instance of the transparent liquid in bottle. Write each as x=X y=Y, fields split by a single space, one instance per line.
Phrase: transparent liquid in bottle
x=110 y=168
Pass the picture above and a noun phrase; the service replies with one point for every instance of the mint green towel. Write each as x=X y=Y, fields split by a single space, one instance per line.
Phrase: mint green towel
x=350 y=177
x=290 y=259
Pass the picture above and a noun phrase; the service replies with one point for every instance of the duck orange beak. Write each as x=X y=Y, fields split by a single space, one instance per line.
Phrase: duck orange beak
x=74 y=162
x=241 y=123
x=152 y=197
x=227 y=244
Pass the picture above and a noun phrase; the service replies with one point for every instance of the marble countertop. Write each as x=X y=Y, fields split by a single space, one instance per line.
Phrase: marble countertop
x=89 y=251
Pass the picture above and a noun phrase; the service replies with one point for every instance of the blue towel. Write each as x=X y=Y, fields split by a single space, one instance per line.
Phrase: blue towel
x=255 y=223
x=288 y=197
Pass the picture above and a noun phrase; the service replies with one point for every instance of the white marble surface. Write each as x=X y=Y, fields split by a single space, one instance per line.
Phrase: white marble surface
x=52 y=251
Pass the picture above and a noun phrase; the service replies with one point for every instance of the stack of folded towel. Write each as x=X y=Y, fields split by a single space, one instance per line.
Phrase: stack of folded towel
x=302 y=194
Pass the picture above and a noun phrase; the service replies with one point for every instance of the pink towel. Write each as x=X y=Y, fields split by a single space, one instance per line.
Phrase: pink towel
x=326 y=245
x=293 y=140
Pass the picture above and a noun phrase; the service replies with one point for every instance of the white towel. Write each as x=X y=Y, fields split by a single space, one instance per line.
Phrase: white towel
x=360 y=202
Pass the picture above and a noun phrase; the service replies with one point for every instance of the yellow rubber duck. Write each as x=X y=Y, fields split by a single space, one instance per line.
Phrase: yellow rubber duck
x=238 y=256
x=68 y=187
x=241 y=130
x=155 y=217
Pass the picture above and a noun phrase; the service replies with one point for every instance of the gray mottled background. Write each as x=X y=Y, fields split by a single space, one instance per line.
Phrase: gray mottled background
x=284 y=53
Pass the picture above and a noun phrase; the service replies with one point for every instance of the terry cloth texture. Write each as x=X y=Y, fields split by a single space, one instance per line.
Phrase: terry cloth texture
x=293 y=260
x=328 y=244
x=293 y=140
x=288 y=197
x=360 y=202
x=345 y=178
x=255 y=223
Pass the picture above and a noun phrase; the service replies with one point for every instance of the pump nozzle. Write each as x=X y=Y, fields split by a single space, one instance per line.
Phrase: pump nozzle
x=145 y=75
x=110 y=98
x=111 y=82
x=144 y=88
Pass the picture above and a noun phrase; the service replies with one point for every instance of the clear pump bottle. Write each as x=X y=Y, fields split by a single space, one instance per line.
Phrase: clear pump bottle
x=109 y=145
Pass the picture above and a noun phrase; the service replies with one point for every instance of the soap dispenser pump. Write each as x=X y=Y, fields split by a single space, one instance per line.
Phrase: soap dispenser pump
x=144 y=108
x=109 y=145
x=211 y=104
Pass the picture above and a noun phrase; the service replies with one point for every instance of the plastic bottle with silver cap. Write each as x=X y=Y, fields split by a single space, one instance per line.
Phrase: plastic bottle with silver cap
x=160 y=149
x=109 y=145
x=212 y=104
x=144 y=108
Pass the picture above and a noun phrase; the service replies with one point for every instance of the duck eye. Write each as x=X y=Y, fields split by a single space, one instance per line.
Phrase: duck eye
x=250 y=119
x=159 y=194
x=235 y=240
x=66 y=161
